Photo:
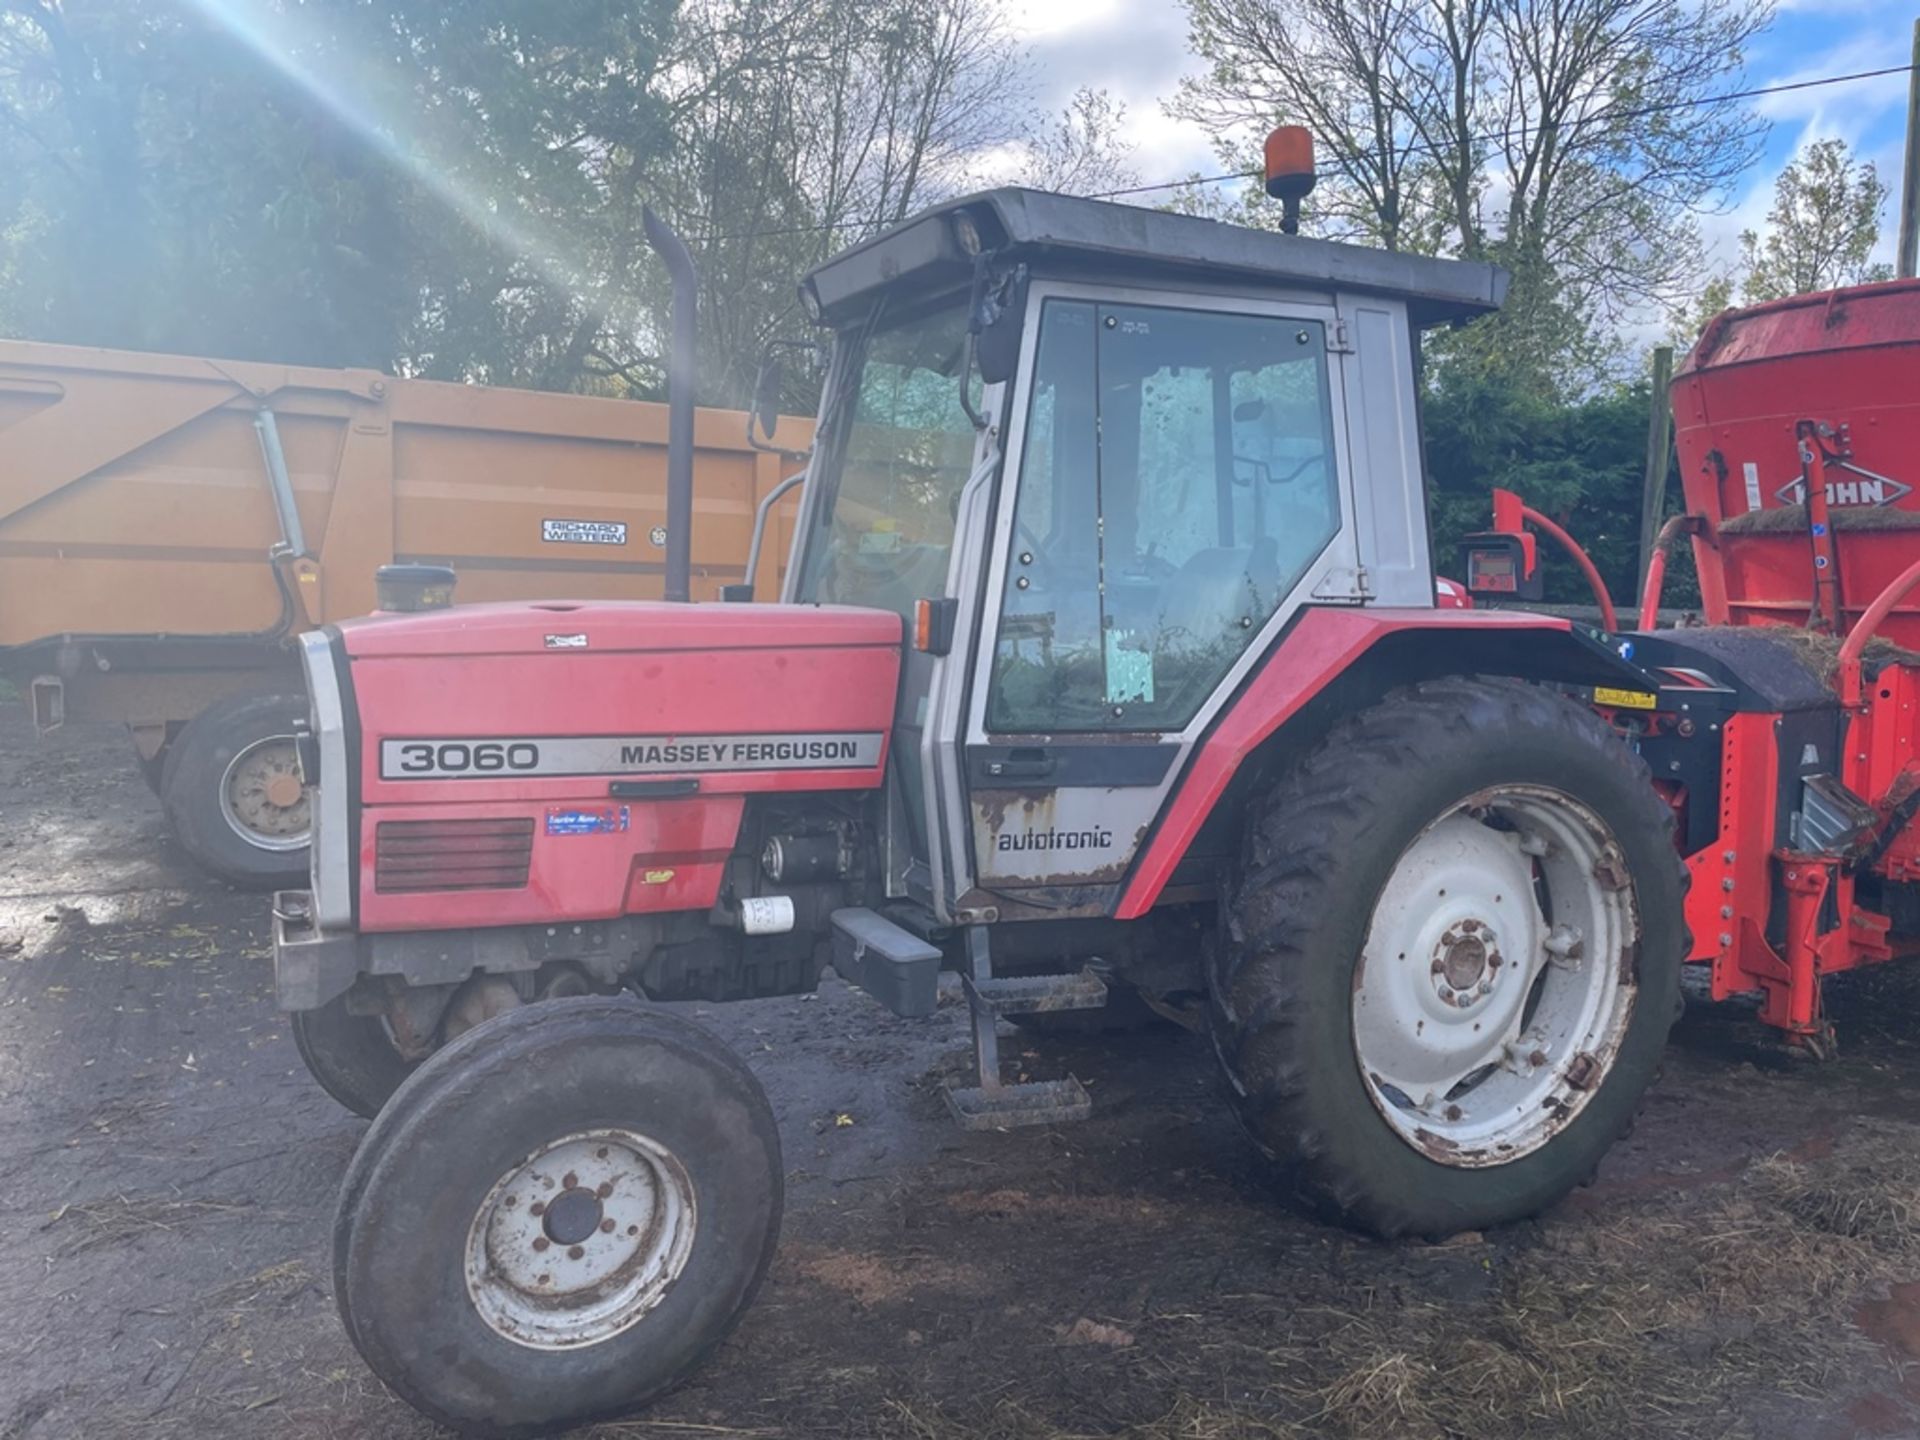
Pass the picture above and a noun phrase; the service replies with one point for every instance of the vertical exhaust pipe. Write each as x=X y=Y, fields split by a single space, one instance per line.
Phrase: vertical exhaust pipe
x=681 y=360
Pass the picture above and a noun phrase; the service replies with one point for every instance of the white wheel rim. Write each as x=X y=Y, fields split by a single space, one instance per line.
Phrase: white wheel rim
x=577 y=1243
x=262 y=796
x=1497 y=978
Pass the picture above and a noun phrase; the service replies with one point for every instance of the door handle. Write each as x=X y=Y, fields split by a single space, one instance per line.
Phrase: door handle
x=1021 y=769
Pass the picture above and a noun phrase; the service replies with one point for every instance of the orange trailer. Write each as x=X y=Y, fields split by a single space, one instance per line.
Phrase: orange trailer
x=169 y=523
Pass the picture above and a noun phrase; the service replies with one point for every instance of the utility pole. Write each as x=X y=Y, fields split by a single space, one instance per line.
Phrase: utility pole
x=1653 y=489
x=1909 y=260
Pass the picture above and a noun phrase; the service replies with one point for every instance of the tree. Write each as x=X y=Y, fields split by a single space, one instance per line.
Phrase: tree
x=1082 y=150
x=806 y=126
x=1822 y=229
x=1570 y=140
x=456 y=191
x=345 y=182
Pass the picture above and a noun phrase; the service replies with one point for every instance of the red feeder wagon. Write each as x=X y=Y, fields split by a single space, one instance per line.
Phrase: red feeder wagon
x=1783 y=729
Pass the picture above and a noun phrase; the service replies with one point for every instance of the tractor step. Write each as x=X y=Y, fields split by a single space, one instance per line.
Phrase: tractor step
x=1035 y=994
x=1035 y=1102
x=993 y=1104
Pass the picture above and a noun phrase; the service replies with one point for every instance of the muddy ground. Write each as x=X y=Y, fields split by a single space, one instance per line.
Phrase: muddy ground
x=1747 y=1264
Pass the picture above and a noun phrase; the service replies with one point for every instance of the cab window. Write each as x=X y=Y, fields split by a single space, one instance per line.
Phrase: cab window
x=1176 y=482
x=896 y=466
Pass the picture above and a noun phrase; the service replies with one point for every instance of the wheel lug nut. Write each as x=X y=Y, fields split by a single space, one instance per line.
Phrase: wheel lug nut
x=606 y=1189
x=1446 y=994
x=539 y=1207
x=540 y=1242
x=1453 y=1112
x=569 y=1180
x=1538 y=1057
x=606 y=1227
x=574 y=1252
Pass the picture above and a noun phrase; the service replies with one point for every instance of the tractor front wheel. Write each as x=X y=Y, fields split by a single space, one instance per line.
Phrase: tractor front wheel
x=1453 y=957
x=560 y=1214
x=352 y=1056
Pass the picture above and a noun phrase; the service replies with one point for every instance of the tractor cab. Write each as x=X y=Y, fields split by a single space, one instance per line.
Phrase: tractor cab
x=1097 y=458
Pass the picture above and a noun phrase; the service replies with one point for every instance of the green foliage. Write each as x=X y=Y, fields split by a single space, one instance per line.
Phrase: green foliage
x=1822 y=228
x=455 y=190
x=335 y=182
x=1581 y=464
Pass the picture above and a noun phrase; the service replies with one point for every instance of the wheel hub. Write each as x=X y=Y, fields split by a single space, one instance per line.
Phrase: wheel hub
x=262 y=796
x=572 y=1217
x=579 y=1242
x=1466 y=964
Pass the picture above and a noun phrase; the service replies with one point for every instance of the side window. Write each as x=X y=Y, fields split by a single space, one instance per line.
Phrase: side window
x=1176 y=482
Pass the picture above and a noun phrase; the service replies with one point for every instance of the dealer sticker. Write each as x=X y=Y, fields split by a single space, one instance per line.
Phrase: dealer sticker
x=584 y=532
x=1625 y=699
x=608 y=820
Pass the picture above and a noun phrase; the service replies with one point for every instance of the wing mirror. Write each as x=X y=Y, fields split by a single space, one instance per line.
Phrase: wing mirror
x=769 y=389
x=768 y=385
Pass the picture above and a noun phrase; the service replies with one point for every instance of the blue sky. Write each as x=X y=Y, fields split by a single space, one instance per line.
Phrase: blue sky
x=1137 y=50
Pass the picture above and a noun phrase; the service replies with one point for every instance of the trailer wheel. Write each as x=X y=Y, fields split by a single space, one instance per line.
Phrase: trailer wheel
x=231 y=788
x=1453 y=957
x=560 y=1214
x=351 y=1056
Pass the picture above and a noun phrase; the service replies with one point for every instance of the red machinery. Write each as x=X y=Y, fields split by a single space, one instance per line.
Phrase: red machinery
x=1783 y=733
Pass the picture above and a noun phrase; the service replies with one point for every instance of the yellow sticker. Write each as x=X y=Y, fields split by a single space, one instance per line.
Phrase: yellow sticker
x=1627 y=699
x=657 y=877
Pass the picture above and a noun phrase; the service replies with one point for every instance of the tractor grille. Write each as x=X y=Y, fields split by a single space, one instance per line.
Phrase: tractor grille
x=451 y=855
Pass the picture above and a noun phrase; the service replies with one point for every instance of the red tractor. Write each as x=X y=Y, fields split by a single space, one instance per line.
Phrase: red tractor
x=1110 y=672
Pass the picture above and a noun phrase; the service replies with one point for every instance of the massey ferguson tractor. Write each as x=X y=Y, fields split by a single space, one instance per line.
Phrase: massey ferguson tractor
x=1109 y=672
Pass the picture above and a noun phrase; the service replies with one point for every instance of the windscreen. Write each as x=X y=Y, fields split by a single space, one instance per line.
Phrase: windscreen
x=898 y=454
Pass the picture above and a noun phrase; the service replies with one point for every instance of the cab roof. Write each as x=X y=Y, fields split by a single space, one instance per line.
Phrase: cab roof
x=1098 y=239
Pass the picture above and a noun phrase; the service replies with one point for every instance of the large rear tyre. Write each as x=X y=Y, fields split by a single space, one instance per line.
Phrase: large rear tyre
x=352 y=1056
x=563 y=1212
x=1453 y=957
x=232 y=790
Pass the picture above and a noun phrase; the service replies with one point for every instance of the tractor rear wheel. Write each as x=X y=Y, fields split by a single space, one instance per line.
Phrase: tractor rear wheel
x=575 y=1200
x=1453 y=957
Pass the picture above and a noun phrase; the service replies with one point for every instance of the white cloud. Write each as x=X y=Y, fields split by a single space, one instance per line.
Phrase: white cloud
x=1136 y=50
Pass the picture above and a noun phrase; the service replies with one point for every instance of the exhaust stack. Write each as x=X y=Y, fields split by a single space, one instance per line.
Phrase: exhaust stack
x=681 y=360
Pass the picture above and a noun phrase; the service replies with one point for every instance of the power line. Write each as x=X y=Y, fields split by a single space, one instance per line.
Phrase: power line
x=1521 y=131
x=1518 y=132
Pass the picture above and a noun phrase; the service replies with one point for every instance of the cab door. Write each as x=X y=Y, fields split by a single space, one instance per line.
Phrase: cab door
x=1179 y=490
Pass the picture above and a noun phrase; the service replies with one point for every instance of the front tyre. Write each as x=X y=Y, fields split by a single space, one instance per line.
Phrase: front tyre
x=351 y=1056
x=559 y=1215
x=1453 y=957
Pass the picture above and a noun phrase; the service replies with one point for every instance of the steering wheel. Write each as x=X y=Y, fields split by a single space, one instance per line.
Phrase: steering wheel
x=1262 y=472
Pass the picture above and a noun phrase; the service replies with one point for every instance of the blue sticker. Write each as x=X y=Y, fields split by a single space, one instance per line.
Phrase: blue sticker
x=610 y=820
